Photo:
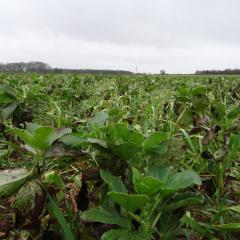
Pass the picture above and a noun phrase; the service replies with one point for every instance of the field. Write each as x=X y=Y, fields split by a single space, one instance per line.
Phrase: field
x=130 y=157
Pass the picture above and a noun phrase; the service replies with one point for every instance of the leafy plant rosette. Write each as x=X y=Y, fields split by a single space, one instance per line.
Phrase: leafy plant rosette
x=30 y=190
x=149 y=209
x=119 y=144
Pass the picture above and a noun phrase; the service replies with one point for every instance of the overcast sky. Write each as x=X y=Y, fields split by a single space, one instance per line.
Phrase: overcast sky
x=179 y=36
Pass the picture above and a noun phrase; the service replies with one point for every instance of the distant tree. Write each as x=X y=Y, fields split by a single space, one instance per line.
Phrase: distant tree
x=25 y=67
x=37 y=67
x=42 y=67
x=219 y=72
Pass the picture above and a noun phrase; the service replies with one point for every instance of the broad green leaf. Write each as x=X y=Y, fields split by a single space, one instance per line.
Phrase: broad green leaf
x=162 y=173
x=183 y=180
x=152 y=142
x=6 y=99
x=42 y=137
x=8 y=110
x=23 y=135
x=185 y=117
x=68 y=234
x=76 y=140
x=73 y=140
x=183 y=94
x=58 y=133
x=146 y=185
x=105 y=216
x=130 y=202
x=113 y=182
x=126 y=151
x=7 y=89
x=123 y=234
x=99 y=142
x=12 y=180
x=198 y=90
x=184 y=199
x=120 y=134
x=123 y=142
x=99 y=120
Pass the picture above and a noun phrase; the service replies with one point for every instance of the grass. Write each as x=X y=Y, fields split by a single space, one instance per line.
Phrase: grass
x=121 y=157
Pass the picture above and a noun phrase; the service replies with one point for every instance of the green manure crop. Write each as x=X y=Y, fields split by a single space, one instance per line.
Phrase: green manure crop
x=119 y=157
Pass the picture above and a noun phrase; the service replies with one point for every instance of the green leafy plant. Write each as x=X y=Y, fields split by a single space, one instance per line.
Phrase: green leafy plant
x=109 y=169
x=156 y=196
x=126 y=146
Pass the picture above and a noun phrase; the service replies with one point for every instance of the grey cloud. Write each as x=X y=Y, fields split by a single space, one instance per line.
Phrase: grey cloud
x=176 y=35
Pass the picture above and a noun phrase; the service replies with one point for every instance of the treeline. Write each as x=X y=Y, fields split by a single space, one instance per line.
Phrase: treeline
x=219 y=72
x=41 y=67
x=92 y=71
x=21 y=67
